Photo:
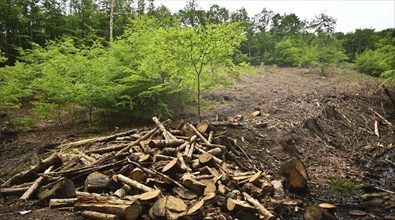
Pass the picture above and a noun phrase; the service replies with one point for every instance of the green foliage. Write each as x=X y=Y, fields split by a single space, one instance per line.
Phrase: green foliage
x=390 y=76
x=380 y=61
x=68 y=76
x=153 y=69
x=13 y=86
x=3 y=59
x=342 y=186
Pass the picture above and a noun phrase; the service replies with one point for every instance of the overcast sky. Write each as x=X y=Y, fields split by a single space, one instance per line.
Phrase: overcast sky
x=379 y=14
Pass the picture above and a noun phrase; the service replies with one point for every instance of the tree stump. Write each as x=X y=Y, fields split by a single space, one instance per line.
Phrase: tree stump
x=61 y=189
x=295 y=172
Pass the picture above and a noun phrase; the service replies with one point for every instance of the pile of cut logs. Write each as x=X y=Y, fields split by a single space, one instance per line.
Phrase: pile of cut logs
x=190 y=172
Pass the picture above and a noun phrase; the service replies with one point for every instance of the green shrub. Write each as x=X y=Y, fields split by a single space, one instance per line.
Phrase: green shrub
x=378 y=62
x=13 y=86
x=372 y=62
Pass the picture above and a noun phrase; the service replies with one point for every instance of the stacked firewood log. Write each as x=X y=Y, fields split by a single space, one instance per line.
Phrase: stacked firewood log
x=188 y=172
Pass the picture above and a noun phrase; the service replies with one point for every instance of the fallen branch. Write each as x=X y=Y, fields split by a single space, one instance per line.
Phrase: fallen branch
x=35 y=185
x=262 y=210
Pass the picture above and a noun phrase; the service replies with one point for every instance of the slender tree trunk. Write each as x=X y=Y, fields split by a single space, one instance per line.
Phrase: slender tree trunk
x=112 y=19
x=198 y=81
x=249 y=47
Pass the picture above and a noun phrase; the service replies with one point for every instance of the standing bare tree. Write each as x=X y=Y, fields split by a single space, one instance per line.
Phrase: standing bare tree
x=112 y=19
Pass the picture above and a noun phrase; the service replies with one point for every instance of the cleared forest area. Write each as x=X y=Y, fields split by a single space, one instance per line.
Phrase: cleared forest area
x=196 y=114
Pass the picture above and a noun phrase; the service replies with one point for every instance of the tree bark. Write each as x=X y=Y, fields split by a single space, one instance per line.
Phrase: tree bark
x=59 y=203
x=132 y=183
x=35 y=185
x=112 y=19
x=262 y=210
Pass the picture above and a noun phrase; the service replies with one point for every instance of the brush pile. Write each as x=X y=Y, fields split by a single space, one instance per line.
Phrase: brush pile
x=188 y=172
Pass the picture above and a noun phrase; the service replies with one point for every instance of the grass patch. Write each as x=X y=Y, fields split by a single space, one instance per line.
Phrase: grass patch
x=342 y=186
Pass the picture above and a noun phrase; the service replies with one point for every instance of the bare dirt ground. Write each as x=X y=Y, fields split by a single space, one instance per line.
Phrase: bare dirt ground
x=344 y=149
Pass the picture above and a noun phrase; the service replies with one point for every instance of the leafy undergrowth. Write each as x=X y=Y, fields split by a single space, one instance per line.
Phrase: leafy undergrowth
x=347 y=160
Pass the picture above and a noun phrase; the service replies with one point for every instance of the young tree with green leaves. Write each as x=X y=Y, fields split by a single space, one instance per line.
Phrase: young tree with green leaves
x=211 y=46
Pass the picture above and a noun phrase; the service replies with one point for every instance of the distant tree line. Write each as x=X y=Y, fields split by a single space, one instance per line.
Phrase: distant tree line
x=58 y=53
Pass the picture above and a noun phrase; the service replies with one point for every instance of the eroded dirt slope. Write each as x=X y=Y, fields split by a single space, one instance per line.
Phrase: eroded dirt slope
x=345 y=148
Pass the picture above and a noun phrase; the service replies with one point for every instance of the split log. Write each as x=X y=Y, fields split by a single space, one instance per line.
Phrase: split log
x=210 y=186
x=173 y=167
x=213 y=172
x=261 y=209
x=149 y=195
x=165 y=143
x=132 y=183
x=146 y=158
x=234 y=204
x=124 y=211
x=59 y=203
x=188 y=132
x=314 y=212
x=295 y=172
x=195 y=207
x=121 y=192
x=191 y=183
x=85 y=197
x=175 y=204
x=216 y=159
x=216 y=152
x=204 y=127
x=137 y=174
x=154 y=172
x=184 y=193
x=168 y=207
x=158 y=210
x=255 y=178
x=31 y=174
x=222 y=188
x=35 y=185
x=97 y=182
x=61 y=189
x=99 y=216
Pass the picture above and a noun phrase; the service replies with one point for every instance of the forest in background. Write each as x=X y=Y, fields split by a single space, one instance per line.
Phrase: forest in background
x=57 y=55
